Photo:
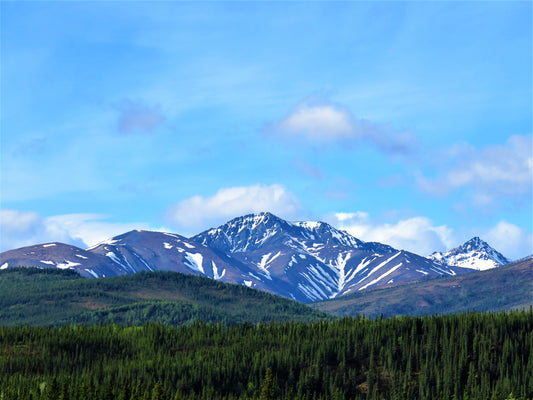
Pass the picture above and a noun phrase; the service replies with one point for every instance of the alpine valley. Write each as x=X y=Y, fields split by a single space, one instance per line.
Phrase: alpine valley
x=303 y=261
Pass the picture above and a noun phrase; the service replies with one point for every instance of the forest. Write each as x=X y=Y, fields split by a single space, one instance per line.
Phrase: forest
x=464 y=356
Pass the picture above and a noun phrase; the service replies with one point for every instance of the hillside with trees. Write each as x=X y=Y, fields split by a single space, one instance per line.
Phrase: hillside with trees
x=32 y=296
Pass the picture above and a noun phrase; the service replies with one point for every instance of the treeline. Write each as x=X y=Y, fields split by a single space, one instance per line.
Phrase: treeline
x=467 y=356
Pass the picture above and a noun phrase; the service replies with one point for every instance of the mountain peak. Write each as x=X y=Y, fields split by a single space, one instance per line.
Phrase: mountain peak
x=474 y=253
x=476 y=241
x=255 y=219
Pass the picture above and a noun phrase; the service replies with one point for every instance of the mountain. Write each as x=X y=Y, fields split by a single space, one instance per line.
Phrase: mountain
x=137 y=251
x=127 y=253
x=304 y=261
x=31 y=296
x=505 y=288
x=314 y=260
x=475 y=254
x=62 y=256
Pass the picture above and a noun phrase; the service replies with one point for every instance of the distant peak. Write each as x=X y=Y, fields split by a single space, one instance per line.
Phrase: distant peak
x=475 y=242
x=263 y=214
x=256 y=218
x=474 y=253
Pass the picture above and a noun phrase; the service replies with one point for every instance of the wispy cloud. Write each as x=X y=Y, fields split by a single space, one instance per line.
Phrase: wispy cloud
x=489 y=174
x=137 y=117
x=324 y=122
x=198 y=212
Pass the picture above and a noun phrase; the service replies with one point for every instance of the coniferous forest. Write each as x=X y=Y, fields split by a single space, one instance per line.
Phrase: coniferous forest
x=466 y=356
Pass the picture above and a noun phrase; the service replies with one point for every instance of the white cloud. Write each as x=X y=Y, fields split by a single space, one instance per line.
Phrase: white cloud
x=321 y=122
x=510 y=240
x=197 y=213
x=25 y=228
x=488 y=174
x=325 y=122
x=417 y=234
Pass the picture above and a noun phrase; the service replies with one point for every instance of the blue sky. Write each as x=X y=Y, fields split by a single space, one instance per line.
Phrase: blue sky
x=408 y=123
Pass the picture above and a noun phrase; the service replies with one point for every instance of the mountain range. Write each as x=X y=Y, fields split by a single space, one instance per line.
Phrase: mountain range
x=304 y=261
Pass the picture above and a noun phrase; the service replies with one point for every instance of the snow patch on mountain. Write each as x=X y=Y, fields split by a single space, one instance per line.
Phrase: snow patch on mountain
x=90 y=271
x=194 y=261
x=67 y=265
x=390 y=271
x=216 y=276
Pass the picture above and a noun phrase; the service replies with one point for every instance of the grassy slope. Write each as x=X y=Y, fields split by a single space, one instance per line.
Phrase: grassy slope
x=505 y=288
x=53 y=297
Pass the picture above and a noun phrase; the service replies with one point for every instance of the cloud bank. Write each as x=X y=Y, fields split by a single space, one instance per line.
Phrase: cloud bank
x=198 y=213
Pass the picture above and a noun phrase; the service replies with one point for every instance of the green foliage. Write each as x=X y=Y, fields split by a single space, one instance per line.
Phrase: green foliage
x=53 y=297
x=465 y=356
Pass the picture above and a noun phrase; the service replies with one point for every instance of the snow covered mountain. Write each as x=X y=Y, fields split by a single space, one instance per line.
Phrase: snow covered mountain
x=316 y=260
x=305 y=261
x=475 y=254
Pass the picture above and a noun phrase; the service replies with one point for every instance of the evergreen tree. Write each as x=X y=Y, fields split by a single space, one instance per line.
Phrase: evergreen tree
x=267 y=387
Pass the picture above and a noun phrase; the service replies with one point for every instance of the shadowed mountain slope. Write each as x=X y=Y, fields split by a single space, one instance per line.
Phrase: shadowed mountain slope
x=506 y=288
